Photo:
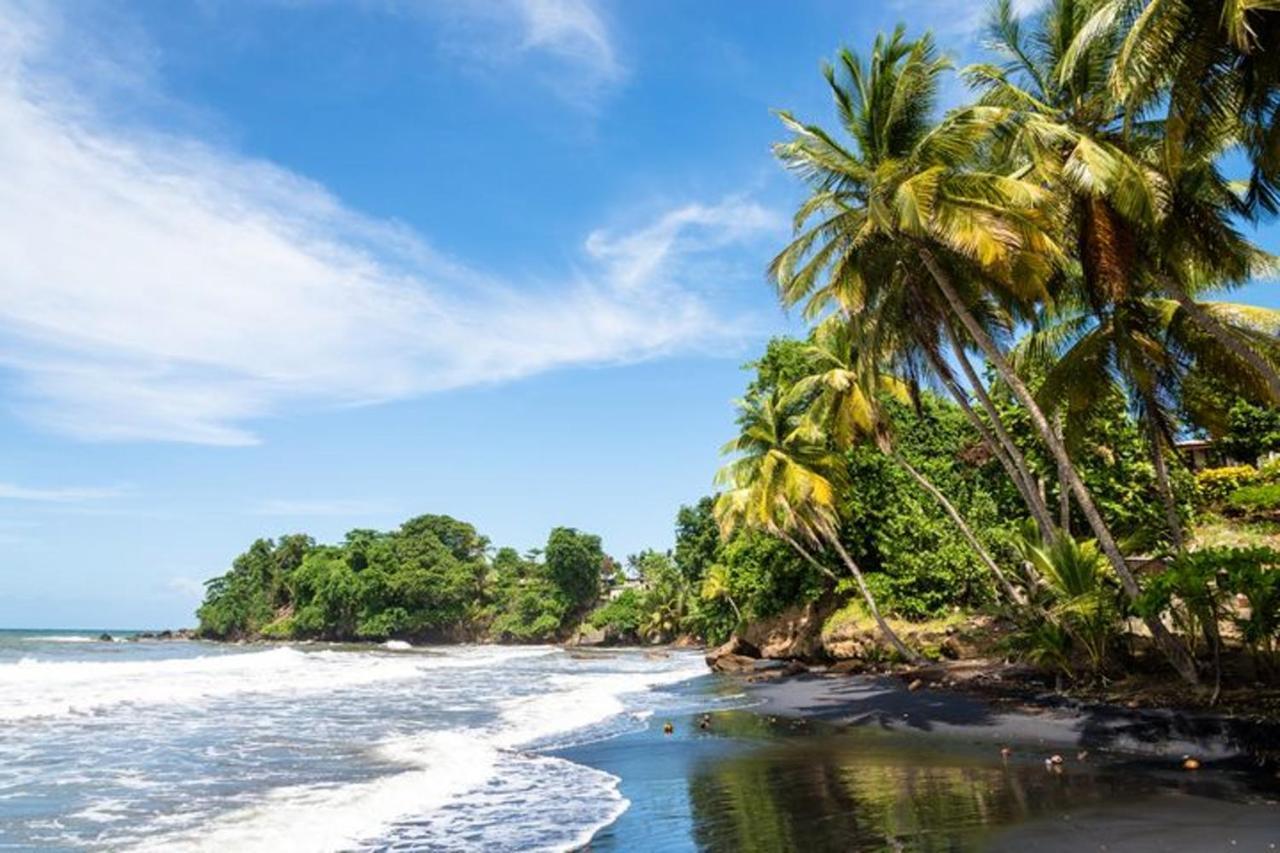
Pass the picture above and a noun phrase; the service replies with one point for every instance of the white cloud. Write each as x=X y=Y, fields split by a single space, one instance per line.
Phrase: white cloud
x=311 y=507
x=565 y=45
x=185 y=587
x=153 y=287
x=66 y=494
x=957 y=18
x=571 y=29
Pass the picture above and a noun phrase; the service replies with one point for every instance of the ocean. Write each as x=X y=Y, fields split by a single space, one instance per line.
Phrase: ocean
x=177 y=745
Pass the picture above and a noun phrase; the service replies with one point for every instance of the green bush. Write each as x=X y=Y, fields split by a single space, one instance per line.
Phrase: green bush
x=1258 y=498
x=622 y=617
x=1215 y=485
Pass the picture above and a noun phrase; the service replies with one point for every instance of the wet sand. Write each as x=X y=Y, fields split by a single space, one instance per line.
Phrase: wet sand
x=864 y=764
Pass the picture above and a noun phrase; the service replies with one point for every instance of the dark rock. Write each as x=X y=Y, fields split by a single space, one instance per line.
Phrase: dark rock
x=795 y=667
x=736 y=646
x=949 y=649
x=732 y=663
x=847 y=667
x=105 y=638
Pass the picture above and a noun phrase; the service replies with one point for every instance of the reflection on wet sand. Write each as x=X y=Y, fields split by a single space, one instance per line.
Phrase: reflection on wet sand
x=867 y=789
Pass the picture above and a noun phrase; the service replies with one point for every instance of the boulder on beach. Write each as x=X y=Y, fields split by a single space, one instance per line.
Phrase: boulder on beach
x=735 y=647
x=733 y=663
x=106 y=638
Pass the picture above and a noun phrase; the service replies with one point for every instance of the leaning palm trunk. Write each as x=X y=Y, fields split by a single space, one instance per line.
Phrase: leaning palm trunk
x=1001 y=446
x=1220 y=333
x=871 y=603
x=1176 y=653
x=1173 y=520
x=862 y=587
x=967 y=532
x=809 y=558
x=1064 y=494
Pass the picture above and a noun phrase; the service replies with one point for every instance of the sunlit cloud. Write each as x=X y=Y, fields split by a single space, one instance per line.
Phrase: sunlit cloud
x=566 y=46
x=157 y=287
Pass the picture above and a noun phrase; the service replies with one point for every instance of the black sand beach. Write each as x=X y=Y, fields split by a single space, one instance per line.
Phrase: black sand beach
x=857 y=763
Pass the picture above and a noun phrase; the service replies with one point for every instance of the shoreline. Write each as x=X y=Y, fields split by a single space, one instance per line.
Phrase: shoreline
x=791 y=742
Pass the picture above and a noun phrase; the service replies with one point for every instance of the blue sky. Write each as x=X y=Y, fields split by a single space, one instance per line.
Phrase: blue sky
x=292 y=265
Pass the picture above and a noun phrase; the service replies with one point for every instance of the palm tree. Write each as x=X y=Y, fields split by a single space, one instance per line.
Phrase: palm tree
x=1210 y=64
x=715 y=586
x=1082 y=604
x=781 y=483
x=843 y=393
x=896 y=193
x=1144 y=349
x=1144 y=204
x=909 y=195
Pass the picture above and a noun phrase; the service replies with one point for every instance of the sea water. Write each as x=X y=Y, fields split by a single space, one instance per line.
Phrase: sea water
x=177 y=745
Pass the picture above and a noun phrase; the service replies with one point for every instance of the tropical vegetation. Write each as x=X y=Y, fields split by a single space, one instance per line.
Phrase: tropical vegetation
x=1043 y=256
x=1015 y=317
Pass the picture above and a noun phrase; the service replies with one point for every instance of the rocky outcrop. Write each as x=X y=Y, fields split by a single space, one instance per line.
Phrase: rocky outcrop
x=733 y=663
x=795 y=633
x=736 y=655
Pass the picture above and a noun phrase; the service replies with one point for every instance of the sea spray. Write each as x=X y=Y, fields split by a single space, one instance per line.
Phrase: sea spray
x=188 y=746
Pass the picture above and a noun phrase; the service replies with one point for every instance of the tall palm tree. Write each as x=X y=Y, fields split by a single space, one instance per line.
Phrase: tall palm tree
x=875 y=205
x=780 y=482
x=1209 y=64
x=1144 y=205
x=843 y=399
x=909 y=196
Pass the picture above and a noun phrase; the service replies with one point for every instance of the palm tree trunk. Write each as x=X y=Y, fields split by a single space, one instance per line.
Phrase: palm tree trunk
x=1220 y=333
x=967 y=532
x=1172 y=518
x=1064 y=493
x=1005 y=450
x=1035 y=498
x=736 y=612
x=813 y=561
x=1175 y=652
x=888 y=632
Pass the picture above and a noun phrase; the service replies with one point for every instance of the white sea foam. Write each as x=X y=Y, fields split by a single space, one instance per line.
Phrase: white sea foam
x=497 y=793
x=60 y=638
x=397 y=646
x=38 y=688
x=453 y=766
x=328 y=817
x=41 y=688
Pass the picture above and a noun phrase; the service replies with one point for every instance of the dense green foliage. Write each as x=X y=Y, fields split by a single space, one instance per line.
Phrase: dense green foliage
x=1252 y=431
x=1080 y=198
x=433 y=578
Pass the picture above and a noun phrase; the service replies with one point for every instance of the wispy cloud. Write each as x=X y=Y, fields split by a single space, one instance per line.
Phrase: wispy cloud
x=310 y=507
x=155 y=287
x=956 y=18
x=63 y=494
x=185 y=587
x=565 y=45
